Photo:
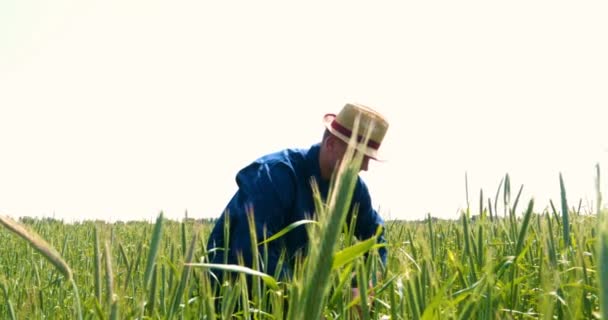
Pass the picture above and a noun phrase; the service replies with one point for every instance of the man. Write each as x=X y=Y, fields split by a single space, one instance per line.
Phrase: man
x=276 y=188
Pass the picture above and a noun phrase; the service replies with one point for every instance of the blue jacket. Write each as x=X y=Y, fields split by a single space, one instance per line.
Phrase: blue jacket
x=277 y=188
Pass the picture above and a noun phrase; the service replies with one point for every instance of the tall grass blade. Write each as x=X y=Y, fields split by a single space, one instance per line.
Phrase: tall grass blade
x=480 y=243
x=362 y=280
x=496 y=197
x=163 y=277
x=555 y=214
x=507 y=194
x=109 y=275
x=111 y=298
x=153 y=251
x=76 y=298
x=183 y=233
x=97 y=254
x=255 y=284
x=466 y=234
x=523 y=229
x=518 y=253
x=9 y=304
x=151 y=304
x=431 y=235
x=602 y=250
x=123 y=255
x=514 y=208
x=181 y=288
x=466 y=188
x=133 y=266
x=598 y=190
x=565 y=215
x=603 y=267
x=481 y=209
x=551 y=248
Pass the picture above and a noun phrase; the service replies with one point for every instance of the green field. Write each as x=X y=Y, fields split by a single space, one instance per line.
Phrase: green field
x=500 y=260
x=436 y=269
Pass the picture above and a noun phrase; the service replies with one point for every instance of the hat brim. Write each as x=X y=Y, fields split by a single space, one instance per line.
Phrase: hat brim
x=370 y=152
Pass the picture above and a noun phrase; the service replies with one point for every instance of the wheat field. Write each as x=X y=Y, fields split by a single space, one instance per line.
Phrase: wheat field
x=500 y=260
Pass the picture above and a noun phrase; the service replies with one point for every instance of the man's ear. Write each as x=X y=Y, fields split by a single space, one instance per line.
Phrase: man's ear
x=330 y=142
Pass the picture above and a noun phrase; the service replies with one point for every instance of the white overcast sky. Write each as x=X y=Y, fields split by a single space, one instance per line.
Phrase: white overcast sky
x=120 y=109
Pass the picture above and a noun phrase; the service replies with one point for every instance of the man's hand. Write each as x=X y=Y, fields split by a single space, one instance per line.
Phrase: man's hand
x=370 y=298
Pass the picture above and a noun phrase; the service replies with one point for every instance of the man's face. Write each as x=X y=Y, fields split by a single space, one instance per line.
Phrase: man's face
x=338 y=149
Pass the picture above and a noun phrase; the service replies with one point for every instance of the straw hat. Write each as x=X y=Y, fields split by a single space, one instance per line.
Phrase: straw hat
x=342 y=124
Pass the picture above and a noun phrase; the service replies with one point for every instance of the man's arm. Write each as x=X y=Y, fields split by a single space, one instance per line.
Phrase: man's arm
x=366 y=226
x=267 y=191
x=368 y=220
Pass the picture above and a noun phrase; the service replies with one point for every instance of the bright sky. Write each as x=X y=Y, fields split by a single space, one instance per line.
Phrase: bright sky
x=120 y=109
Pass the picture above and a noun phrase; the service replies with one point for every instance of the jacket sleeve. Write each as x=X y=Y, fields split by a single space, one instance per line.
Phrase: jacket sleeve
x=267 y=191
x=368 y=219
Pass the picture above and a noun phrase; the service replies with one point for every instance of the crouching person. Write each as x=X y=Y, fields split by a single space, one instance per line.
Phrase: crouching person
x=275 y=191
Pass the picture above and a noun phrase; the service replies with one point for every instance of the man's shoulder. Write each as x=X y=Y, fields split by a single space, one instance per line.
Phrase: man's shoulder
x=287 y=156
x=361 y=190
x=279 y=167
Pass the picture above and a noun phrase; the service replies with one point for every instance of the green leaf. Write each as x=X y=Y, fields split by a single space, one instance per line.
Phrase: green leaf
x=287 y=229
x=351 y=253
x=153 y=251
x=269 y=280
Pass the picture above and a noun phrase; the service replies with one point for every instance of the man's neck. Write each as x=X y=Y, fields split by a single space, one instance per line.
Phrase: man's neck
x=323 y=166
